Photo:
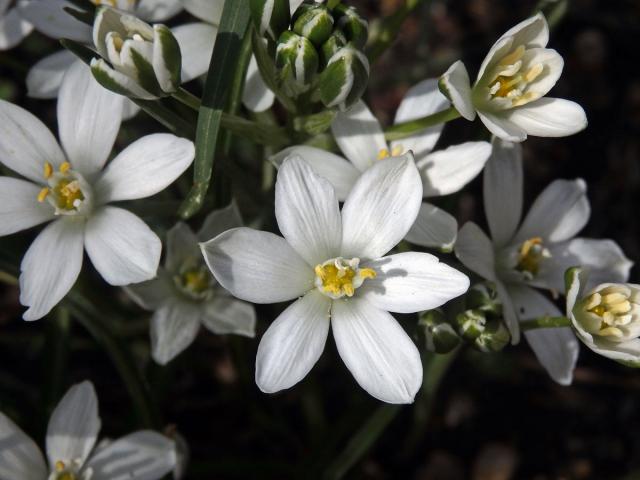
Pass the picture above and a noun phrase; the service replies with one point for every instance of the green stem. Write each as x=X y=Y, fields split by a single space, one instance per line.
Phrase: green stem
x=545 y=322
x=187 y=98
x=407 y=129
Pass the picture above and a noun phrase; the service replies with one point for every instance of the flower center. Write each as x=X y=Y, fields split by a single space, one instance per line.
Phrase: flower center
x=614 y=308
x=339 y=277
x=530 y=254
x=195 y=281
x=512 y=78
x=395 y=152
x=67 y=192
x=63 y=472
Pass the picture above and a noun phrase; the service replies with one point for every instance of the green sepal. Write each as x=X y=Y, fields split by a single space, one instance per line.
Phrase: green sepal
x=345 y=79
x=471 y=324
x=270 y=17
x=171 y=58
x=335 y=42
x=354 y=27
x=494 y=337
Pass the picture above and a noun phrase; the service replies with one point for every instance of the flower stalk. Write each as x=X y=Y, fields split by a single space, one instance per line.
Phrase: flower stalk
x=407 y=129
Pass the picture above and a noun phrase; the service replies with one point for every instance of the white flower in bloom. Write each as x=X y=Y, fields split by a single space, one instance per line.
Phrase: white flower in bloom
x=361 y=139
x=73 y=187
x=185 y=295
x=13 y=28
x=71 y=449
x=334 y=261
x=535 y=254
x=606 y=318
x=509 y=93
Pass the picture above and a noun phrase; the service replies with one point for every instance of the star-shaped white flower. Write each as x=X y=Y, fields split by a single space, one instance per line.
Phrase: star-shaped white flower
x=535 y=253
x=361 y=139
x=74 y=187
x=71 y=449
x=334 y=260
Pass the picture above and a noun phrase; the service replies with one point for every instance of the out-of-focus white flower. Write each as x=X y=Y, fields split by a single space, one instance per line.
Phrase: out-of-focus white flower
x=334 y=261
x=71 y=449
x=606 y=318
x=13 y=28
x=535 y=253
x=509 y=93
x=361 y=139
x=185 y=295
x=74 y=187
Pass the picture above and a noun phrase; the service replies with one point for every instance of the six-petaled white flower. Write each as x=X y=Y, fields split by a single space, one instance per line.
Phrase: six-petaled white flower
x=335 y=262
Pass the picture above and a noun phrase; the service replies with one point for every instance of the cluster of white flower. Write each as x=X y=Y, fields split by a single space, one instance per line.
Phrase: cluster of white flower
x=336 y=263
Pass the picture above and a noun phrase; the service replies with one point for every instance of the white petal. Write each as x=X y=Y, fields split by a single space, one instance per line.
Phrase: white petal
x=220 y=221
x=412 y=282
x=447 y=171
x=293 y=343
x=307 y=212
x=559 y=212
x=152 y=294
x=19 y=207
x=142 y=455
x=25 y=143
x=173 y=328
x=226 y=315
x=377 y=351
x=145 y=167
x=50 y=267
x=475 y=250
x=45 y=77
x=207 y=10
x=552 y=63
x=549 y=117
x=121 y=246
x=341 y=173
x=256 y=266
x=130 y=109
x=381 y=208
x=502 y=190
x=181 y=246
x=359 y=135
x=256 y=95
x=13 y=28
x=196 y=45
x=20 y=457
x=455 y=82
x=502 y=127
x=49 y=17
x=157 y=10
x=556 y=348
x=88 y=119
x=421 y=100
x=508 y=312
x=433 y=228
x=74 y=425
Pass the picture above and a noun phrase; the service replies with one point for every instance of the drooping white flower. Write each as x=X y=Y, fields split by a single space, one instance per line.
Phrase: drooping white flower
x=607 y=318
x=185 y=295
x=13 y=28
x=361 y=139
x=72 y=186
x=71 y=451
x=535 y=253
x=335 y=262
x=509 y=93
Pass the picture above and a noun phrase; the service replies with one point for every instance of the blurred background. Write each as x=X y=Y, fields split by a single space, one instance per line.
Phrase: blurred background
x=495 y=416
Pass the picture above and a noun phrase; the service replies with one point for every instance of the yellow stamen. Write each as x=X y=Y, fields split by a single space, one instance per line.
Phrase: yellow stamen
x=529 y=256
x=42 y=195
x=397 y=150
x=48 y=170
x=533 y=72
x=340 y=277
x=65 y=167
x=368 y=273
x=59 y=466
x=599 y=310
x=383 y=153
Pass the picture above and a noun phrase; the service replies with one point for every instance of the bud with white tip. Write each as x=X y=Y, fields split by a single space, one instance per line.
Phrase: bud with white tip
x=355 y=28
x=345 y=79
x=494 y=337
x=440 y=336
x=335 y=42
x=298 y=60
x=471 y=323
x=313 y=22
x=270 y=17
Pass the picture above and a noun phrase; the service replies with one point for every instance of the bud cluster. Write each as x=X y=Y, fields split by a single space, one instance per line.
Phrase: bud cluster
x=317 y=50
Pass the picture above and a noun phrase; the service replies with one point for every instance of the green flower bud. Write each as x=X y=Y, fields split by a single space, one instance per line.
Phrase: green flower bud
x=335 y=42
x=298 y=60
x=494 y=338
x=315 y=23
x=345 y=78
x=270 y=17
x=471 y=324
x=440 y=336
x=483 y=296
x=355 y=28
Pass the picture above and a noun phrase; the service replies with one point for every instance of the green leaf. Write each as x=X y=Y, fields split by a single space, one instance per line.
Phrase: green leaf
x=233 y=27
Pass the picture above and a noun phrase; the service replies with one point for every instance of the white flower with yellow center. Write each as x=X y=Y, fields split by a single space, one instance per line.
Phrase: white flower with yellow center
x=185 y=295
x=361 y=139
x=535 y=253
x=71 y=449
x=606 y=318
x=509 y=93
x=334 y=261
x=73 y=187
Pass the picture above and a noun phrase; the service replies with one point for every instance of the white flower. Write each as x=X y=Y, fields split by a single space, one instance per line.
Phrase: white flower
x=509 y=93
x=74 y=187
x=13 y=28
x=71 y=449
x=185 y=295
x=535 y=254
x=361 y=139
x=607 y=318
x=334 y=261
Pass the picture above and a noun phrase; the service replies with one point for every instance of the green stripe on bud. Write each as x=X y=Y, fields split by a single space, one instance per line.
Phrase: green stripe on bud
x=314 y=23
x=471 y=324
x=345 y=79
x=335 y=42
x=355 y=28
x=167 y=59
x=440 y=337
x=270 y=17
x=298 y=60
x=494 y=337
x=118 y=82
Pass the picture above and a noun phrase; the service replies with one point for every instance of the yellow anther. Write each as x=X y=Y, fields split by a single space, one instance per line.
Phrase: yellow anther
x=348 y=289
x=513 y=57
x=42 y=195
x=368 y=273
x=529 y=256
x=599 y=310
x=397 y=150
x=319 y=272
x=65 y=167
x=533 y=72
x=383 y=153
x=340 y=277
x=59 y=466
x=48 y=170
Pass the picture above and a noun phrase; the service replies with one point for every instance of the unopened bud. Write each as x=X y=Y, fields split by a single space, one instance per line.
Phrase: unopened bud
x=335 y=42
x=440 y=337
x=484 y=297
x=471 y=324
x=494 y=337
x=298 y=60
x=354 y=27
x=314 y=23
x=270 y=17
x=345 y=78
